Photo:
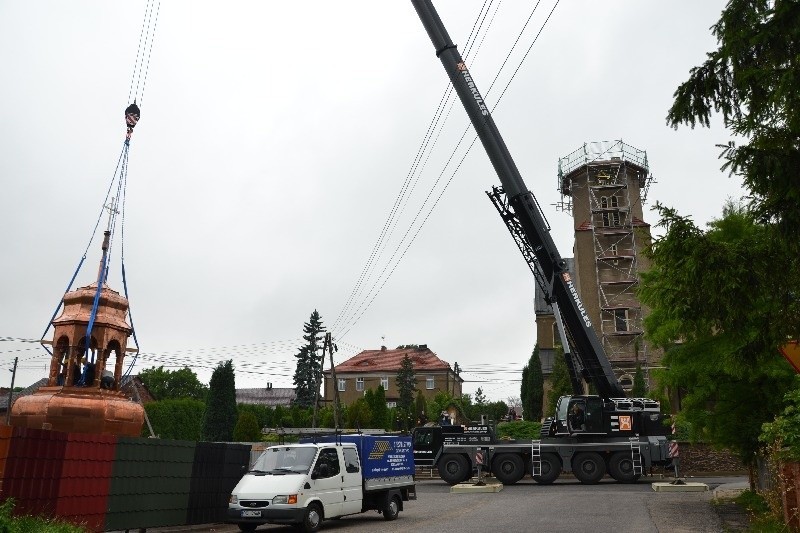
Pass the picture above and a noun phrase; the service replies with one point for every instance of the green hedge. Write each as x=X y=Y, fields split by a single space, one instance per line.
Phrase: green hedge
x=519 y=430
x=176 y=419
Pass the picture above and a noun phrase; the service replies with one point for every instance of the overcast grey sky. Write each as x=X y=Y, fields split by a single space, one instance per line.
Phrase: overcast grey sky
x=274 y=140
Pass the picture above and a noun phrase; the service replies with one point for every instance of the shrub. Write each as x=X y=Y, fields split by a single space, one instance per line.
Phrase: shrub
x=519 y=430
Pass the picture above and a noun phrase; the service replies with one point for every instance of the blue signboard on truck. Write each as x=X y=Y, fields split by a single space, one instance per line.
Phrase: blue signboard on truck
x=381 y=455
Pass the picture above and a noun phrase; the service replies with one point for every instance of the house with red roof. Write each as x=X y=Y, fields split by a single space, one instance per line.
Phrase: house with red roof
x=373 y=368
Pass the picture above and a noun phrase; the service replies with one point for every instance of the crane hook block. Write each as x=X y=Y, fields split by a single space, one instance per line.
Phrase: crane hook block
x=131 y=118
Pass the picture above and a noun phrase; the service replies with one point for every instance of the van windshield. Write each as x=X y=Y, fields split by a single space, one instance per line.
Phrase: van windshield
x=285 y=460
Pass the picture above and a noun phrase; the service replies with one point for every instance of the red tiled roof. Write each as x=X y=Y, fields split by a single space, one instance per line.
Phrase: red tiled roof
x=389 y=361
x=585 y=226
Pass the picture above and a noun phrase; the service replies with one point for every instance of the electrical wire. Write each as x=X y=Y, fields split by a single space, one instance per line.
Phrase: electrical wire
x=382 y=278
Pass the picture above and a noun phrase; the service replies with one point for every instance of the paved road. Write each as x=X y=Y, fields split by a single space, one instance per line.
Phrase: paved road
x=566 y=506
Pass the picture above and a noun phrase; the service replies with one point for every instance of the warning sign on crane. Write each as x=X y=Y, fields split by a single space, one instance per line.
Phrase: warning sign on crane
x=791 y=351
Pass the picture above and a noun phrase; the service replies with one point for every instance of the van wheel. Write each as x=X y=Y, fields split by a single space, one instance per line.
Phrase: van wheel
x=621 y=468
x=453 y=468
x=508 y=468
x=588 y=467
x=551 y=469
x=392 y=508
x=312 y=519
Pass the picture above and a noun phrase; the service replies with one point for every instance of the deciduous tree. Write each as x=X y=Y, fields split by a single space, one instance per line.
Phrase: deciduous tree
x=717 y=310
x=173 y=384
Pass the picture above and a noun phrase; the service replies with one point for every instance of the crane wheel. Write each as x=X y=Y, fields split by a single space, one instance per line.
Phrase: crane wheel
x=508 y=468
x=588 y=467
x=453 y=468
x=551 y=469
x=620 y=467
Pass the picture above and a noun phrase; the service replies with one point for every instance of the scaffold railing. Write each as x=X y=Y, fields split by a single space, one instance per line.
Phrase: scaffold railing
x=601 y=151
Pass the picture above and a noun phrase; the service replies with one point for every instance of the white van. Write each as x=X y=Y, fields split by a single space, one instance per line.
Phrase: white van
x=307 y=483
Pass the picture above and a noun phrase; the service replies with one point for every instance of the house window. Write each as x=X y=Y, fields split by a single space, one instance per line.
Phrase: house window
x=391 y=405
x=342 y=383
x=359 y=384
x=385 y=383
x=621 y=319
x=429 y=382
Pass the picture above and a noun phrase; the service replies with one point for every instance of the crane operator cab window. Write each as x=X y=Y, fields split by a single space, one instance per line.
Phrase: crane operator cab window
x=585 y=415
x=576 y=416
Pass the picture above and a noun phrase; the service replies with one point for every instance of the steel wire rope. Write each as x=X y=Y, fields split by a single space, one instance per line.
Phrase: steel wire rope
x=393 y=214
x=146 y=36
x=457 y=168
x=392 y=221
x=455 y=149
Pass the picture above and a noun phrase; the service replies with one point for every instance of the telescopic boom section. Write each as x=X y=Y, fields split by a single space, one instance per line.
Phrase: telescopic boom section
x=576 y=319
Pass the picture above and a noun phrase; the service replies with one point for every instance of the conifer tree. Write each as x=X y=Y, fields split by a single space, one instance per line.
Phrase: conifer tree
x=560 y=380
x=380 y=411
x=308 y=373
x=532 y=392
x=406 y=384
x=639 y=389
x=221 y=414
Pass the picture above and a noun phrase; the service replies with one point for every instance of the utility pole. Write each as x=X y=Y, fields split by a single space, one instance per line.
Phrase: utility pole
x=318 y=381
x=11 y=392
x=335 y=384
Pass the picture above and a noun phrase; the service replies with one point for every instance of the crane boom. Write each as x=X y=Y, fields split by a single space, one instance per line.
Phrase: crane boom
x=596 y=367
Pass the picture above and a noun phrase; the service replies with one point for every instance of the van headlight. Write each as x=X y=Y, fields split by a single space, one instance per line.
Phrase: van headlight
x=290 y=499
x=234 y=499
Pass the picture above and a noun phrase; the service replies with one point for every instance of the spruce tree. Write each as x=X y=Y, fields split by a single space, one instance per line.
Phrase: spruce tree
x=308 y=373
x=406 y=384
x=221 y=414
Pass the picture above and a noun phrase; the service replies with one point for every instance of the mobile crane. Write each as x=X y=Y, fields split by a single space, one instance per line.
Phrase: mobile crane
x=588 y=435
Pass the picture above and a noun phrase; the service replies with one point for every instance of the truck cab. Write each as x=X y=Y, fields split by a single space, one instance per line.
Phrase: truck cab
x=593 y=416
x=304 y=484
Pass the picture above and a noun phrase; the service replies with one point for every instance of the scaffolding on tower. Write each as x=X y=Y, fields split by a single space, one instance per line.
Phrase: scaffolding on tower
x=604 y=186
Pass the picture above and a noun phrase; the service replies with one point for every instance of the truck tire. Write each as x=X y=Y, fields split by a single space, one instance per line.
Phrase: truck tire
x=588 y=467
x=508 y=468
x=392 y=508
x=312 y=519
x=551 y=469
x=620 y=467
x=453 y=468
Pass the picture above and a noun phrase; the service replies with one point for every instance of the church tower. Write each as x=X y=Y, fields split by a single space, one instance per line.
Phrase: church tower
x=604 y=185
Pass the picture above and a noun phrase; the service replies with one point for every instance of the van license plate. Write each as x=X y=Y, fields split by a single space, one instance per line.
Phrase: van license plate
x=251 y=513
